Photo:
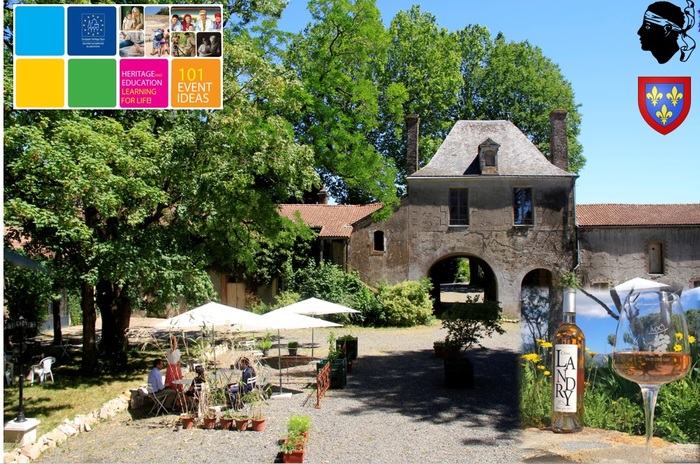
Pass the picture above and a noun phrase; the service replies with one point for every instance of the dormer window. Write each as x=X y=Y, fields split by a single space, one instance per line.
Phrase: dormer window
x=488 y=157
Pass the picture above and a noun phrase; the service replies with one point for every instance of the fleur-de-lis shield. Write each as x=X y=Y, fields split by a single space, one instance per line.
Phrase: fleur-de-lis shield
x=664 y=101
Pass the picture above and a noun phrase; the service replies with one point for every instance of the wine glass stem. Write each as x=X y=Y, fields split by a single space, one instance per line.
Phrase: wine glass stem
x=649 y=393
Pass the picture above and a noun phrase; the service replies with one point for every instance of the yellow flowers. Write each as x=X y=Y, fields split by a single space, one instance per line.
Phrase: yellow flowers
x=532 y=357
x=679 y=336
x=677 y=347
x=691 y=339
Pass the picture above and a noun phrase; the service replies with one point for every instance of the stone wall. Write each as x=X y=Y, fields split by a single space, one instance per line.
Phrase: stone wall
x=418 y=235
x=614 y=255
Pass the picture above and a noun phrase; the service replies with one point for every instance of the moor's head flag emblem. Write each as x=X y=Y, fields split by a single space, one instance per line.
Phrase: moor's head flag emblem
x=664 y=30
x=664 y=101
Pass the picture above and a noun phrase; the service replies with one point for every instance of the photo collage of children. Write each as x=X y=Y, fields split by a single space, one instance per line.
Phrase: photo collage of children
x=177 y=31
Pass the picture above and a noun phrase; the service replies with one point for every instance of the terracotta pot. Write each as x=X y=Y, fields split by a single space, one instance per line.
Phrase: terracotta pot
x=297 y=455
x=209 y=422
x=241 y=424
x=257 y=424
x=294 y=456
x=226 y=424
x=187 y=422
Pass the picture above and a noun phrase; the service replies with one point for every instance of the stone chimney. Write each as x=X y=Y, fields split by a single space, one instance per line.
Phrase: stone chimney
x=412 y=132
x=558 y=146
x=323 y=196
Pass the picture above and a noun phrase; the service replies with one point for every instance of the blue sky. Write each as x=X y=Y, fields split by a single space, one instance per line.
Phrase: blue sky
x=595 y=44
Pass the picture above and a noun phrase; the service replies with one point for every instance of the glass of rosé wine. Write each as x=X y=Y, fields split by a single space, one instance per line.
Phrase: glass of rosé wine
x=651 y=346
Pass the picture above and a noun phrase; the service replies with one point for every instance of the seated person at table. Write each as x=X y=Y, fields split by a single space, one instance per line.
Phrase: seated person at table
x=155 y=380
x=236 y=390
x=196 y=385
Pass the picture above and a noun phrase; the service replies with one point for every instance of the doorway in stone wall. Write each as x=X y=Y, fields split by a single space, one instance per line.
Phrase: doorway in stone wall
x=459 y=277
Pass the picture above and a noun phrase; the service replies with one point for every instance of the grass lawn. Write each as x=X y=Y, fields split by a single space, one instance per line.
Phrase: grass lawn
x=73 y=393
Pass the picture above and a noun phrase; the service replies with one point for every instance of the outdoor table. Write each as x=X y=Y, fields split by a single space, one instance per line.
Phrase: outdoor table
x=181 y=399
x=228 y=375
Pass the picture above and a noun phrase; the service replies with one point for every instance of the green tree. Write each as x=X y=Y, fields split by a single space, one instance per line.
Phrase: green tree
x=515 y=81
x=130 y=205
x=421 y=76
x=338 y=57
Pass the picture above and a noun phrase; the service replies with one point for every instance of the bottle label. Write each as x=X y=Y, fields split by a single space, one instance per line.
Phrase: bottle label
x=565 y=378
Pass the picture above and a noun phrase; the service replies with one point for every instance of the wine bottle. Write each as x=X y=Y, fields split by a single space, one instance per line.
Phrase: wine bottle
x=568 y=371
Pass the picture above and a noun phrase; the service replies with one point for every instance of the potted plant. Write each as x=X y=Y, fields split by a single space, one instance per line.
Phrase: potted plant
x=299 y=425
x=209 y=419
x=348 y=344
x=293 y=448
x=264 y=344
x=338 y=364
x=187 y=420
x=466 y=324
x=293 y=347
x=255 y=399
x=241 y=420
x=226 y=420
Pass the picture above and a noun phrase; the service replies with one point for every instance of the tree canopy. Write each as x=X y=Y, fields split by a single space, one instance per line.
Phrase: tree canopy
x=134 y=208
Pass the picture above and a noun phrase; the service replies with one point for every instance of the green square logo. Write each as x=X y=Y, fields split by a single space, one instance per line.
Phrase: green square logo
x=92 y=83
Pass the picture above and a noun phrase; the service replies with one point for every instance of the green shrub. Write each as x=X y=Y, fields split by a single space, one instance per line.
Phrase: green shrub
x=407 y=303
x=331 y=283
x=469 y=322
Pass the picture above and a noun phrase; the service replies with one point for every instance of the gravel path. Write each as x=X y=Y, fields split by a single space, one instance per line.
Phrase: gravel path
x=394 y=409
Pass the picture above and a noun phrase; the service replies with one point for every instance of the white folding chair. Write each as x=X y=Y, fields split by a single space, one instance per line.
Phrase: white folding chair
x=158 y=402
x=9 y=371
x=43 y=369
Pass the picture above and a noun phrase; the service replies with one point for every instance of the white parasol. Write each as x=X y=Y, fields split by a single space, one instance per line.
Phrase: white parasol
x=285 y=320
x=316 y=306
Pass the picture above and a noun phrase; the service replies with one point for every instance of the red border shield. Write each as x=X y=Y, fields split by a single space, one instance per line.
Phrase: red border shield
x=664 y=101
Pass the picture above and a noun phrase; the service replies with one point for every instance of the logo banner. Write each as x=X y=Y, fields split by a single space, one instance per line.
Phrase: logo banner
x=664 y=101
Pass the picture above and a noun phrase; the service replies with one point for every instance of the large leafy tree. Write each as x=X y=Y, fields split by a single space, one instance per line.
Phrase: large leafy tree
x=421 y=76
x=515 y=81
x=338 y=57
x=133 y=207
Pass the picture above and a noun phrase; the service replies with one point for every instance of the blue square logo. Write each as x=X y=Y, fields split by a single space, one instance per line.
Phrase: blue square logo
x=92 y=30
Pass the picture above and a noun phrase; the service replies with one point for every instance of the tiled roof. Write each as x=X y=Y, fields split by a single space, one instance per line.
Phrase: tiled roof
x=333 y=220
x=637 y=215
x=458 y=155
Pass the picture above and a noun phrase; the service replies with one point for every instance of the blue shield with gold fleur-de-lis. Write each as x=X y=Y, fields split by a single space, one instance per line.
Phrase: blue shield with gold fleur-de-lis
x=664 y=101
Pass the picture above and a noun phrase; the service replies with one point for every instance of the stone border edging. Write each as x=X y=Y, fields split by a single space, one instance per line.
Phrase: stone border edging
x=69 y=428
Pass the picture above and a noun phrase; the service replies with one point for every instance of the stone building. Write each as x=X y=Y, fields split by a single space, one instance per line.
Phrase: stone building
x=656 y=242
x=491 y=197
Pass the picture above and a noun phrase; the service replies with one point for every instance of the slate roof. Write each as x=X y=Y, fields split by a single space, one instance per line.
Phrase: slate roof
x=610 y=215
x=458 y=155
x=334 y=221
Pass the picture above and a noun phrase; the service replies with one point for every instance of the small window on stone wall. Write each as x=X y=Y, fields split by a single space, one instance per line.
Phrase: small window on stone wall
x=378 y=245
x=655 y=257
x=522 y=207
x=695 y=283
x=601 y=285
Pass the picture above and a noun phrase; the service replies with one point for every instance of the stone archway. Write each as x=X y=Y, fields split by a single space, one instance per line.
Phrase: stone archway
x=459 y=276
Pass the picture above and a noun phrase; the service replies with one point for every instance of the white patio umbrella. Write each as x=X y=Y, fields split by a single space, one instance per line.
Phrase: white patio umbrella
x=213 y=314
x=638 y=284
x=316 y=307
x=285 y=320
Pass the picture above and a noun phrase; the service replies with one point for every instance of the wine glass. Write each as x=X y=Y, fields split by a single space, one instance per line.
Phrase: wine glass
x=651 y=347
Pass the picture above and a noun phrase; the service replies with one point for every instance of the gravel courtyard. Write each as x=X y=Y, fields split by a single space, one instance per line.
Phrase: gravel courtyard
x=394 y=408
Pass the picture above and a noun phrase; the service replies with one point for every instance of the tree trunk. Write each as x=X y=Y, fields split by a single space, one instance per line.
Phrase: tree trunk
x=87 y=304
x=115 y=309
x=56 y=307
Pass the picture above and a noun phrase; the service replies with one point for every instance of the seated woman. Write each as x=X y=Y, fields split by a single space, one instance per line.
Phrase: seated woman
x=196 y=386
x=237 y=390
